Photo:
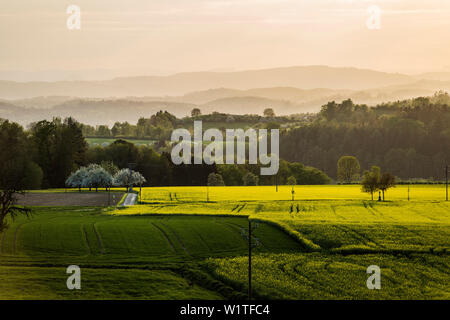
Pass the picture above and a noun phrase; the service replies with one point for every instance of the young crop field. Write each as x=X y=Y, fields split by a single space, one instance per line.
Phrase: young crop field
x=341 y=225
x=191 y=242
x=321 y=276
x=122 y=256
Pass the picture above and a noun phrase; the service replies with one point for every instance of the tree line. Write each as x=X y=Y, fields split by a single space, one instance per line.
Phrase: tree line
x=160 y=125
x=48 y=152
x=410 y=139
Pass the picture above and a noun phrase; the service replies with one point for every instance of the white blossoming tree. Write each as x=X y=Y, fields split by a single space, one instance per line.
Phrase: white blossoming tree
x=128 y=178
x=76 y=179
x=95 y=176
x=98 y=178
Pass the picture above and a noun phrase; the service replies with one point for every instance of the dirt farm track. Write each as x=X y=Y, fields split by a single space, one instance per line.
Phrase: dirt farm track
x=69 y=199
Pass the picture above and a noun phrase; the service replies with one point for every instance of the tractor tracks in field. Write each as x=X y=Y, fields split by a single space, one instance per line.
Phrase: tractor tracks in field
x=238 y=229
x=319 y=283
x=86 y=240
x=369 y=206
x=446 y=208
x=234 y=227
x=411 y=231
x=203 y=240
x=419 y=213
x=178 y=239
x=99 y=238
x=333 y=208
x=165 y=236
x=358 y=235
x=297 y=270
x=89 y=244
x=441 y=267
x=173 y=196
x=372 y=210
x=238 y=208
x=16 y=232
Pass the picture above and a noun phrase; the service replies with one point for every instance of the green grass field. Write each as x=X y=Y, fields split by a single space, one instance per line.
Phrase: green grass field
x=122 y=257
x=176 y=245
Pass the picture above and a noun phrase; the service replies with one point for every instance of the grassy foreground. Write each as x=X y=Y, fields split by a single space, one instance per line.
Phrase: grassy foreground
x=341 y=233
x=179 y=246
x=143 y=257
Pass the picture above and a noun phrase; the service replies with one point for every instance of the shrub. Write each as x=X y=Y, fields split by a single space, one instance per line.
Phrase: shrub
x=215 y=179
x=250 y=179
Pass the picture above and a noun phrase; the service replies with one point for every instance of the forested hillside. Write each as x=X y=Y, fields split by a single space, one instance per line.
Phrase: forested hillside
x=409 y=138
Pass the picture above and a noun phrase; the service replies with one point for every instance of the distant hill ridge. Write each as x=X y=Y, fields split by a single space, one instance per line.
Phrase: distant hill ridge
x=127 y=99
x=305 y=77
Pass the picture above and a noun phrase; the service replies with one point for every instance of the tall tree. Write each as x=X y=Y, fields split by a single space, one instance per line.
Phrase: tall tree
x=387 y=181
x=250 y=179
x=70 y=151
x=291 y=181
x=196 y=112
x=60 y=149
x=269 y=113
x=43 y=138
x=371 y=180
x=348 y=169
x=122 y=152
x=17 y=171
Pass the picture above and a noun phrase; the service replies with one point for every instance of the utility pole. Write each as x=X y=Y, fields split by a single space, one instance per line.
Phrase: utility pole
x=446 y=183
x=249 y=259
x=251 y=245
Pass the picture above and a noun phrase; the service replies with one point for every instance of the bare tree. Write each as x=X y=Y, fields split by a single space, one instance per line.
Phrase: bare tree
x=8 y=200
x=17 y=171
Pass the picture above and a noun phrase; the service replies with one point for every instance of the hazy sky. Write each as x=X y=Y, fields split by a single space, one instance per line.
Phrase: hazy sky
x=141 y=37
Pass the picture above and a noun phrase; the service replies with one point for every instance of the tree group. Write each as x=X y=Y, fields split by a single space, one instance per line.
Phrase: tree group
x=374 y=181
x=96 y=176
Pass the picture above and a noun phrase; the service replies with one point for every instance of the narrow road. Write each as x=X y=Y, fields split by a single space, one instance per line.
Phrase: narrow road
x=130 y=199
